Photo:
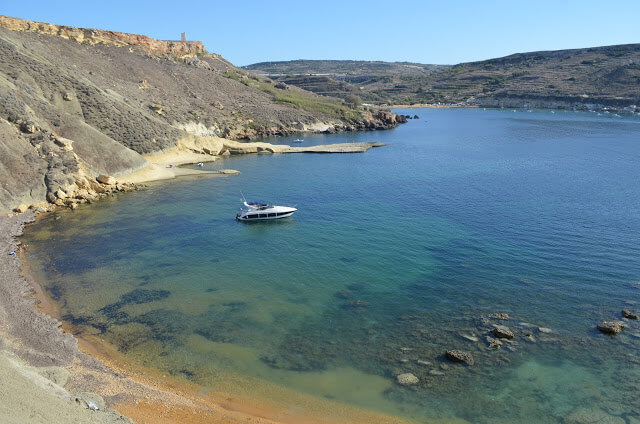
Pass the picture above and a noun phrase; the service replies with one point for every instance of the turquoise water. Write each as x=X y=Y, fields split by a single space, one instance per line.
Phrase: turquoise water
x=394 y=256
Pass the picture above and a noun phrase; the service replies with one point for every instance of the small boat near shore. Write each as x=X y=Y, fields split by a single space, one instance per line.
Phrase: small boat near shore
x=257 y=211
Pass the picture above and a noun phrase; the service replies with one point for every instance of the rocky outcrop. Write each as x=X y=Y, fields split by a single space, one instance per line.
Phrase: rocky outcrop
x=221 y=147
x=407 y=379
x=455 y=355
x=97 y=36
x=502 y=332
x=42 y=166
x=611 y=327
x=628 y=314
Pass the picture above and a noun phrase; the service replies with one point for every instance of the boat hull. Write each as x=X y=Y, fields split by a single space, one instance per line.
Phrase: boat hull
x=265 y=213
x=261 y=217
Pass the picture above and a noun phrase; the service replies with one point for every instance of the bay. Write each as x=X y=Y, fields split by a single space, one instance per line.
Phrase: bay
x=394 y=257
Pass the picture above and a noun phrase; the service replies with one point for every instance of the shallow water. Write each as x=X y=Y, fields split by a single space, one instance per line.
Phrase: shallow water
x=394 y=256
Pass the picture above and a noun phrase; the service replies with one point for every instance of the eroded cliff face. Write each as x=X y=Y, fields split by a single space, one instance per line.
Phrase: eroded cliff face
x=97 y=36
x=77 y=103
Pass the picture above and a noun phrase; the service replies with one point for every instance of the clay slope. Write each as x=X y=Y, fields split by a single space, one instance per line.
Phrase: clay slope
x=76 y=103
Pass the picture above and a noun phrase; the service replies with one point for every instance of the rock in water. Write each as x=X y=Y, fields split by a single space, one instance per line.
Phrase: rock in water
x=455 y=355
x=502 y=332
x=611 y=327
x=628 y=314
x=407 y=379
x=591 y=416
x=494 y=343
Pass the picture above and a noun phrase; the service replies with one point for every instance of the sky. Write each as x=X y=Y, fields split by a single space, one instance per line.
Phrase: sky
x=431 y=32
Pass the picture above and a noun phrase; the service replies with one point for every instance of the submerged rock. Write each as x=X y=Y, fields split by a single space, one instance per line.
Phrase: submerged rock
x=469 y=337
x=498 y=315
x=343 y=294
x=356 y=304
x=407 y=379
x=611 y=327
x=592 y=416
x=628 y=314
x=502 y=332
x=494 y=343
x=455 y=355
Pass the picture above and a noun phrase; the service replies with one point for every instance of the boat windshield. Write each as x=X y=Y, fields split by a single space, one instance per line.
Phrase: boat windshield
x=257 y=204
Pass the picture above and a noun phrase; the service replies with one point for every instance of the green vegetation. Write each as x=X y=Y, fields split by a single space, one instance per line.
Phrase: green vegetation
x=455 y=70
x=232 y=75
x=352 y=100
x=302 y=100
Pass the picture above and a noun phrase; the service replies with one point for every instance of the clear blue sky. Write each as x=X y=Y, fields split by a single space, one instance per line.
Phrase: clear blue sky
x=437 y=32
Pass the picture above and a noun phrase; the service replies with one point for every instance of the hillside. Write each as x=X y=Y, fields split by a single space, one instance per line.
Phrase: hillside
x=374 y=82
x=76 y=103
x=583 y=78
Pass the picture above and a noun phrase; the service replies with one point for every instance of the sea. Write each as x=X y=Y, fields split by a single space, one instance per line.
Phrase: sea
x=466 y=219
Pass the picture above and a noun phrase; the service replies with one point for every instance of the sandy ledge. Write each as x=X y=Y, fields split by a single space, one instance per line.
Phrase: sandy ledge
x=166 y=165
x=49 y=376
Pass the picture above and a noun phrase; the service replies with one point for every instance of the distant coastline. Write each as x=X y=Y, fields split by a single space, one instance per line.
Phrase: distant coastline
x=430 y=106
x=585 y=79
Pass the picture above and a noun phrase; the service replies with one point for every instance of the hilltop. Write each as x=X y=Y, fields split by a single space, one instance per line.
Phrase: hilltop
x=579 y=78
x=76 y=103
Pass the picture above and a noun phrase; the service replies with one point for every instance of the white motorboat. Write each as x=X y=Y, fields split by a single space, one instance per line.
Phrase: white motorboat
x=256 y=211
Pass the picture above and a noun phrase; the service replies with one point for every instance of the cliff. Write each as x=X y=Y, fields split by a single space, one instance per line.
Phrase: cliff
x=78 y=103
x=97 y=36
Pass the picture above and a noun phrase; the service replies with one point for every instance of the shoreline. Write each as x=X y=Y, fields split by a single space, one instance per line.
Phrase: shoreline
x=431 y=106
x=166 y=166
x=56 y=375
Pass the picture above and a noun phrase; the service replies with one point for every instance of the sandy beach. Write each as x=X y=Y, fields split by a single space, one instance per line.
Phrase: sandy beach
x=50 y=376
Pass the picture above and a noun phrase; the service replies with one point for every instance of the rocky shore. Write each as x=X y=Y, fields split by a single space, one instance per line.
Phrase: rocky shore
x=34 y=351
x=125 y=97
x=166 y=165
